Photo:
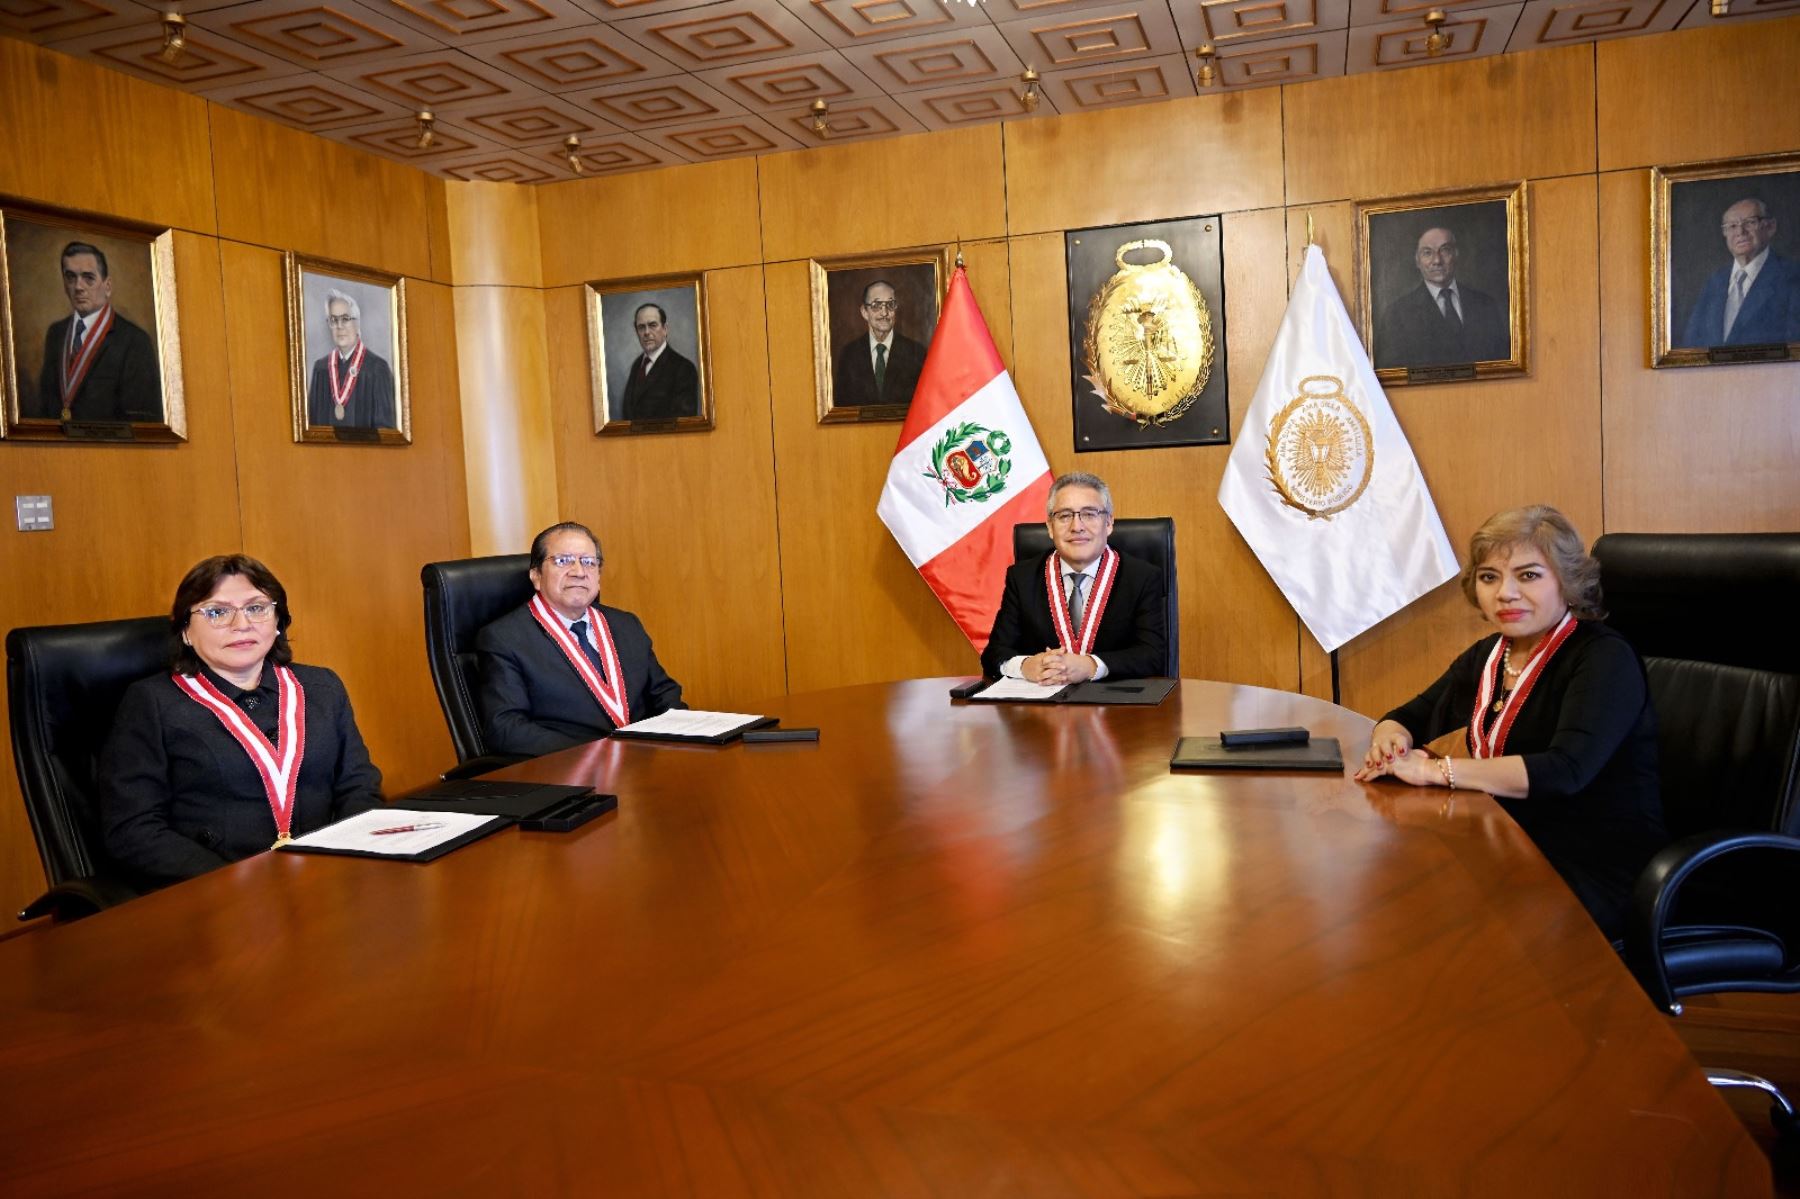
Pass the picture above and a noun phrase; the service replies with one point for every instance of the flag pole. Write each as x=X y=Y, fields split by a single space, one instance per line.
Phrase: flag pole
x=1309 y=228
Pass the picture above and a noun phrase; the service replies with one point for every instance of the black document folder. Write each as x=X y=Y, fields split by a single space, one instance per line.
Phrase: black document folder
x=431 y=854
x=1140 y=692
x=629 y=734
x=519 y=801
x=1205 y=753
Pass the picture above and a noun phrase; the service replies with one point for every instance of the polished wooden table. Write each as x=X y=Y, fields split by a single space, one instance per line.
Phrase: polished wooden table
x=951 y=950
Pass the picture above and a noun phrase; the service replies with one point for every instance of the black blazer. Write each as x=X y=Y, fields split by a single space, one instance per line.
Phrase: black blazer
x=533 y=702
x=671 y=389
x=1413 y=331
x=371 y=401
x=1132 y=639
x=123 y=384
x=179 y=796
x=853 y=379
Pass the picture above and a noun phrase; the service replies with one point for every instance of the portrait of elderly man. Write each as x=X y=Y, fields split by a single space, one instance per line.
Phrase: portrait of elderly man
x=1755 y=298
x=98 y=365
x=881 y=365
x=662 y=384
x=352 y=386
x=1442 y=321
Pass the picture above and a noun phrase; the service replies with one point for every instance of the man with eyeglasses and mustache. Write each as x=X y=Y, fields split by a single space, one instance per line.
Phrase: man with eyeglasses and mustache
x=884 y=366
x=1083 y=610
x=1755 y=298
x=564 y=669
x=352 y=386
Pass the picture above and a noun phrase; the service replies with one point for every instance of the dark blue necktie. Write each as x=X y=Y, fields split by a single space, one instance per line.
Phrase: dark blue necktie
x=579 y=628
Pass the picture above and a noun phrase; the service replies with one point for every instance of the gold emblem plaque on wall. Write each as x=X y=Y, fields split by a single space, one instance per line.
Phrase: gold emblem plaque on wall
x=1149 y=343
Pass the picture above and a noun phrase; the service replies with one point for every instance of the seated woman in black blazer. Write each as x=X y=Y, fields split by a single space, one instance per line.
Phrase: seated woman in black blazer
x=1551 y=715
x=236 y=750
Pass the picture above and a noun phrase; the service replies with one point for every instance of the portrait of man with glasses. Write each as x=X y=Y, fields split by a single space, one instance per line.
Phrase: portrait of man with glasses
x=352 y=385
x=1753 y=299
x=1083 y=610
x=880 y=365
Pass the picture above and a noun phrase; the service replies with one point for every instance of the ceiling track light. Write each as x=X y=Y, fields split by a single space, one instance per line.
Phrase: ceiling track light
x=572 y=152
x=821 y=123
x=1721 y=8
x=1208 y=72
x=1439 y=41
x=174 y=27
x=1032 y=93
x=427 y=134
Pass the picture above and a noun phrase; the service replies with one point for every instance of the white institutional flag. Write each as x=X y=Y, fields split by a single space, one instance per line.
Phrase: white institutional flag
x=1322 y=483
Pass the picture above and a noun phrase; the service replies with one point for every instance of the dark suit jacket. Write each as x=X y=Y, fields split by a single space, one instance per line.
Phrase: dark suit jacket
x=533 y=702
x=671 y=389
x=123 y=384
x=179 y=796
x=1771 y=311
x=1413 y=331
x=1132 y=639
x=371 y=402
x=853 y=379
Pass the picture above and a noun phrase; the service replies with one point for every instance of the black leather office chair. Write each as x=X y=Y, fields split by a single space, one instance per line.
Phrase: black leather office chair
x=1712 y=616
x=63 y=686
x=1151 y=539
x=461 y=598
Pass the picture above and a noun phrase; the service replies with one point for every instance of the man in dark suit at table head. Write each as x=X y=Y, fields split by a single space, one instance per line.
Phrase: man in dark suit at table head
x=1083 y=610
x=1755 y=298
x=1441 y=322
x=564 y=668
x=662 y=384
x=882 y=366
x=98 y=366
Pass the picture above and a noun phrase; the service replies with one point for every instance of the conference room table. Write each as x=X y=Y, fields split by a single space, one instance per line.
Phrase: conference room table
x=951 y=949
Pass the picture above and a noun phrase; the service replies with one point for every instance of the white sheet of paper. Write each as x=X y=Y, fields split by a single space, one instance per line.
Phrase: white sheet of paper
x=1019 y=689
x=685 y=722
x=360 y=832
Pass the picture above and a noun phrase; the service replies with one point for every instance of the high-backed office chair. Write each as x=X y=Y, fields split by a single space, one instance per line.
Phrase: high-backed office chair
x=1712 y=616
x=1151 y=539
x=63 y=686
x=461 y=598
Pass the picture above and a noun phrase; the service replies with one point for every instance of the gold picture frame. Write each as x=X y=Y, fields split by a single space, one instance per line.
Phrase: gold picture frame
x=844 y=381
x=120 y=380
x=1703 y=220
x=1473 y=241
x=348 y=376
x=674 y=394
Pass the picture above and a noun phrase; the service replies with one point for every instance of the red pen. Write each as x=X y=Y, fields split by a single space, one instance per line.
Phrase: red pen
x=408 y=828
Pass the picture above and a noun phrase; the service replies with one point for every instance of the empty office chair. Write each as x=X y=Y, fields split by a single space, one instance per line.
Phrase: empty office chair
x=63 y=686
x=1712 y=615
x=461 y=598
x=1151 y=539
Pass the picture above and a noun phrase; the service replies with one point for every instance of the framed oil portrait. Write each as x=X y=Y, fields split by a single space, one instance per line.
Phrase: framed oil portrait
x=1725 y=262
x=1442 y=281
x=90 y=341
x=347 y=365
x=873 y=320
x=1147 y=335
x=647 y=344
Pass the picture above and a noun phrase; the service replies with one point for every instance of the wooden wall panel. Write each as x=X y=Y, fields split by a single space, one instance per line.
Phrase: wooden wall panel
x=856 y=610
x=1203 y=154
x=492 y=230
x=690 y=218
x=368 y=211
x=130 y=520
x=79 y=136
x=348 y=526
x=687 y=520
x=1654 y=108
x=509 y=450
x=1713 y=448
x=927 y=189
x=1454 y=125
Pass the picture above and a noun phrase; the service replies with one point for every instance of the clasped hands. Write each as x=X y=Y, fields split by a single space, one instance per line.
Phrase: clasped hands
x=1056 y=667
x=1391 y=754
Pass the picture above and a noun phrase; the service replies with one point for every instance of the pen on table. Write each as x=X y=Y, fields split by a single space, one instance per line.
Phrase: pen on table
x=408 y=828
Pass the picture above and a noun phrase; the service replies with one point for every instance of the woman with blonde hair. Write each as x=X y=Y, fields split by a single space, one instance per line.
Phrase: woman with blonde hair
x=1551 y=714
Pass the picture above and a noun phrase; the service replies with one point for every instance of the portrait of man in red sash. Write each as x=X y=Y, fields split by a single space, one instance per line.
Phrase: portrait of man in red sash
x=98 y=365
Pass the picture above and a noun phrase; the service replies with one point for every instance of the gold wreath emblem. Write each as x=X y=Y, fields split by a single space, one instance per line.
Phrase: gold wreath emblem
x=1321 y=454
x=1149 y=343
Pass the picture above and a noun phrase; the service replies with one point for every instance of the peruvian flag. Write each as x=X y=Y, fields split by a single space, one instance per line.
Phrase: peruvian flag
x=967 y=469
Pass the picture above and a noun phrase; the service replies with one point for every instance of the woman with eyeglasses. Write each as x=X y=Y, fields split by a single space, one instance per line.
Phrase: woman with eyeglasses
x=236 y=750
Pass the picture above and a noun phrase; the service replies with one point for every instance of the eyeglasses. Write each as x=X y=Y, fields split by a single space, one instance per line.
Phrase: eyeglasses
x=223 y=616
x=336 y=321
x=564 y=561
x=1064 y=517
x=882 y=305
x=1743 y=226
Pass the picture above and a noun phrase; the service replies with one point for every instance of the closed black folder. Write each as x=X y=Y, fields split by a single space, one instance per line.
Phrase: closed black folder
x=1205 y=753
x=516 y=800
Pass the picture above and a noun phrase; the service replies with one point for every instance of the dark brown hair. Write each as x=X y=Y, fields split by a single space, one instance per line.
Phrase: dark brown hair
x=1549 y=531
x=201 y=581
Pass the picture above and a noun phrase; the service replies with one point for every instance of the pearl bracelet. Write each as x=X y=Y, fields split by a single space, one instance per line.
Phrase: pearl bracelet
x=1448 y=771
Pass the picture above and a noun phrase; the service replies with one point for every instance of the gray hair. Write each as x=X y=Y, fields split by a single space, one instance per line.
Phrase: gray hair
x=334 y=296
x=1077 y=478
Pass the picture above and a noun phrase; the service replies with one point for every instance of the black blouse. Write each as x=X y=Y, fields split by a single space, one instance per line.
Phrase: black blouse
x=179 y=796
x=1587 y=733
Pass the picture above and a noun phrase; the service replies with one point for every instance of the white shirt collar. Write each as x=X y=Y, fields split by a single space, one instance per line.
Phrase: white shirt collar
x=1752 y=268
x=1449 y=287
x=887 y=341
x=652 y=356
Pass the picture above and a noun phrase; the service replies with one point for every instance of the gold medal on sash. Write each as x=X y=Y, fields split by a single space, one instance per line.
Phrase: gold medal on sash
x=283 y=839
x=1149 y=343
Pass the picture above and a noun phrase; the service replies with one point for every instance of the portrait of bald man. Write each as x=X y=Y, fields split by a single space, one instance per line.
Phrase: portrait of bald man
x=1753 y=299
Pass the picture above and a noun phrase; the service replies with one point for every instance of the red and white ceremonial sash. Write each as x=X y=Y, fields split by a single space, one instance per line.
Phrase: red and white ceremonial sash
x=1091 y=613
x=1492 y=742
x=609 y=692
x=341 y=395
x=77 y=363
x=280 y=770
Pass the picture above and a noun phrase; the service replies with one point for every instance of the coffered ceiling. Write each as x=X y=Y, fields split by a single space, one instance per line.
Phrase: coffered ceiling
x=647 y=83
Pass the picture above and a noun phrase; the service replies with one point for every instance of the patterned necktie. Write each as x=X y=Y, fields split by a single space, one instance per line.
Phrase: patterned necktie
x=579 y=628
x=880 y=367
x=1454 y=320
x=1734 y=301
x=1075 y=582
